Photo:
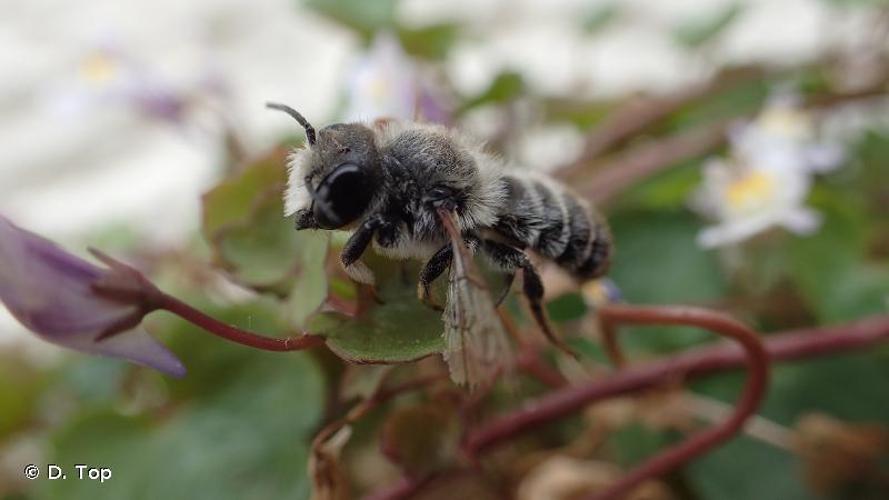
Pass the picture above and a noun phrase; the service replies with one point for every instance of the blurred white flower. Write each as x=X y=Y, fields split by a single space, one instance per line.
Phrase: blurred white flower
x=546 y=148
x=784 y=136
x=386 y=83
x=765 y=181
x=746 y=199
x=109 y=76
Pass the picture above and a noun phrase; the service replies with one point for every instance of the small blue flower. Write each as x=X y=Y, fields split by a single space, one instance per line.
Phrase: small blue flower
x=59 y=297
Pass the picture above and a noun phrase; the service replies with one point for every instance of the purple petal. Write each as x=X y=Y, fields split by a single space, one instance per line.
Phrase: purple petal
x=134 y=345
x=49 y=291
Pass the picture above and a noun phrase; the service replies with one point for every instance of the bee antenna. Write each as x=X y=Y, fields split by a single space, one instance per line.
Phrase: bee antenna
x=310 y=130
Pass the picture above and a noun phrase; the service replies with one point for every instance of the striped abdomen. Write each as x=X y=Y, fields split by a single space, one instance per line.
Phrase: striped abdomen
x=542 y=215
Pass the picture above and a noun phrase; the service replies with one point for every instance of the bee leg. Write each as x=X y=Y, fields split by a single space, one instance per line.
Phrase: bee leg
x=512 y=259
x=355 y=247
x=432 y=270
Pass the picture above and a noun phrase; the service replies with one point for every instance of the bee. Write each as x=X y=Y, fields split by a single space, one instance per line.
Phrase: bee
x=422 y=191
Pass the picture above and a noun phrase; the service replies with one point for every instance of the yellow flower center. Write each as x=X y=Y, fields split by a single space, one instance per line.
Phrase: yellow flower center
x=785 y=121
x=750 y=190
x=98 y=68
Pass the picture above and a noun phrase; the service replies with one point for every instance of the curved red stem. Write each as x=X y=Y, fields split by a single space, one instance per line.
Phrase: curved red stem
x=748 y=402
x=235 y=334
x=570 y=399
x=790 y=345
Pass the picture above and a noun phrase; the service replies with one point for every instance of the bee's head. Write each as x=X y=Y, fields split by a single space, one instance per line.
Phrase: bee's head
x=342 y=172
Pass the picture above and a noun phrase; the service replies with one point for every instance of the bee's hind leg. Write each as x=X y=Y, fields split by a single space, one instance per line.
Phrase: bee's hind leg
x=510 y=259
x=433 y=268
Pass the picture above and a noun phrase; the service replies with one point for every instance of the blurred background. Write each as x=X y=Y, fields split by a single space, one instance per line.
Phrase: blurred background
x=739 y=148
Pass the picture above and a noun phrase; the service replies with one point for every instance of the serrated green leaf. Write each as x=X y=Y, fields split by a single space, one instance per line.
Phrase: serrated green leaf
x=263 y=250
x=400 y=329
x=233 y=199
x=244 y=223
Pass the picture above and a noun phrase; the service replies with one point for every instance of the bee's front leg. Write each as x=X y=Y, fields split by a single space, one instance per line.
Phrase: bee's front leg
x=355 y=247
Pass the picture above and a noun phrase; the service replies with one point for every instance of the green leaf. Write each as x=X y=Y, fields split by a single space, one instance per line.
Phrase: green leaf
x=659 y=262
x=666 y=190
x=234 y=198
x=745 y=97
x=634 y=443
x=850 y=387
x=20 y=386
x=702 y=30
x=262 y=250
x=310 y=287
x=506 y=86
x=429 y=42
x=830 y=267
x=600 y=17
x=363 y=16
x=214 y=363
x=567 y=307
x=244 y=223
x=250 y=440
x=401 y=329
x=745 y=469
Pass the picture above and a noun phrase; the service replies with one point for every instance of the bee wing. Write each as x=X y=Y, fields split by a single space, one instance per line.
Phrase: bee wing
x=476 y=344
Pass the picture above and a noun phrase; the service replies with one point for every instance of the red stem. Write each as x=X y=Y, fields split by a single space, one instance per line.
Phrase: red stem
x=235 y=334
x=702 y=442
x=788 y=346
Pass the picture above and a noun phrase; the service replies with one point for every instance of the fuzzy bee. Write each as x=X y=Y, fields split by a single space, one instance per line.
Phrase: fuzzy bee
x=421 y=191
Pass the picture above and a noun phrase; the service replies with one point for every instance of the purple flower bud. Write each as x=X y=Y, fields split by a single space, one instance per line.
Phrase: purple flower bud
x=72 y=303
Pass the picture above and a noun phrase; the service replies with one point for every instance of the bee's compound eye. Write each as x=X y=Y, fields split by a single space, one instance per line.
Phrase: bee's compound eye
x=342 y=196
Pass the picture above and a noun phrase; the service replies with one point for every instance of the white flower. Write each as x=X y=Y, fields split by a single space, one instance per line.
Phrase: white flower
x=383 y=83
x=108 y=75
x=747 y=199
x=765 y=181
x=386 y=83
x=783 y=136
